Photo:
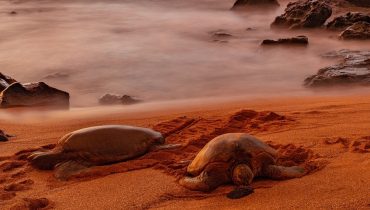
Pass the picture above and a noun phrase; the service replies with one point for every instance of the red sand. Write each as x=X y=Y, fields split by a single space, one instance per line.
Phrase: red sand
x=329 y=136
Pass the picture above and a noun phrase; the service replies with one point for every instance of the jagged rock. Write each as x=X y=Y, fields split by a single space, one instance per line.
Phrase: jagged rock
x=5 y=81
x=111 y=99
x=221 y=34
x=3 y=136
x=359 y=30
x=33 y=94
x=304 y=14
x=242 y=3
x=299 y=40
x=362 y=3
x=347 y=20
x=56 y=76
x=353 y=69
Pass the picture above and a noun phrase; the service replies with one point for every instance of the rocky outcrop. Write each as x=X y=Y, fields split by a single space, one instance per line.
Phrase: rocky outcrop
x=353 y=69
x=303 y=14
x=33 y=94
x=361 y=3
x=299 y=40
x=359 y=31
x=243 y=3
x=112 y=99
x=3 y=136
x=5 y=81
x=344 y=21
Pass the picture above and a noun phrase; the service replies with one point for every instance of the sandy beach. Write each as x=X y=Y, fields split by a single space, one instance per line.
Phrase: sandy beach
x=315 y=124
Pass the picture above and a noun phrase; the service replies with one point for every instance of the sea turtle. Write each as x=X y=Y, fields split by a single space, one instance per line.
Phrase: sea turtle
x=99 y=145
x=237 y=158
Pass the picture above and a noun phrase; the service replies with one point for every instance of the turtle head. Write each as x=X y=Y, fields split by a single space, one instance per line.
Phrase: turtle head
x=159 y=139
x=44 y=160
x=242 y=175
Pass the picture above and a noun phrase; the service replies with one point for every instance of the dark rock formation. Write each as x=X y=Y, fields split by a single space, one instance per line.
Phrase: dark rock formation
x=33 y=94
x=359 y=30
x=299 y=40
x=242 y=3
x=3 y=136
x=353 y=69
x=57 y=76
x=304 y=14
x=344 y=21
x=111 y=99
x=5 y=81
x=361 y=3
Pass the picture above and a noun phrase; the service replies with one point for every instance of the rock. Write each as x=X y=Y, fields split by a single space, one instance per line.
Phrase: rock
x=33 y=94
x=362 y=3
x=221 y=34
x=353 y=69
x=5 y=81
x=304 y=14
x=299 y=40
x=359 y=30
x=347 y=20
x=4 y=136
x=56 y=76
x=242 y=3
x=111 y=99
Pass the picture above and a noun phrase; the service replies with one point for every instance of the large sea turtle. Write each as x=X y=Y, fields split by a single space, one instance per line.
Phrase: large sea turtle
x=237 y=158
x=99 y=145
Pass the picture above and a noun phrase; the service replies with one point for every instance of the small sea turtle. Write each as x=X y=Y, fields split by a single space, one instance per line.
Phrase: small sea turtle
x=97 y=145
x=237 y=158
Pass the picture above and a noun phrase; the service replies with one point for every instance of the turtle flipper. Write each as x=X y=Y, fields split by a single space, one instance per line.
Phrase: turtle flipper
x=65 y=170
x=212 y=176
x=45 y=160
x=282 y=172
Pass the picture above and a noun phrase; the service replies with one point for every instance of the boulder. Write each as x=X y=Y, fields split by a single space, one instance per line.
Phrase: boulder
x=353 y=69
x=33 y=94
x=5 y=81
x=299 y=40
x=243 y=3
x=359 y=30
x=361 y=3
x=112 y=99
x=3 y=136
x=303 y=14
x=344 y=21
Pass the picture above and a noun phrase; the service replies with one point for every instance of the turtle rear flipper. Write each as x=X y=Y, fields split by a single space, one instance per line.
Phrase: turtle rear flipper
x=240 y=191
x=282 y=172
x=214 y=175
x=65 y=170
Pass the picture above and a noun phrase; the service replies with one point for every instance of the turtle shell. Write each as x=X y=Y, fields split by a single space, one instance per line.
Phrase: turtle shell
x=109 y=143
x=231 y=147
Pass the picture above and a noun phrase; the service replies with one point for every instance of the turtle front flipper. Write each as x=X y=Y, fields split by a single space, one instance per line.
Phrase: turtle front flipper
x=46 y=160
x=214 y=175
x=65 y=170
x=282 y=172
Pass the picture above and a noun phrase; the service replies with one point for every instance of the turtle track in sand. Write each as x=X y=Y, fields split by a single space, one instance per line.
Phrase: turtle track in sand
x=360 y=145
x=14 y=179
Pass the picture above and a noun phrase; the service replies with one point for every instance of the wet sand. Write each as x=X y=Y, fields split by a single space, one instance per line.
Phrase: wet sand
x=314 y=123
